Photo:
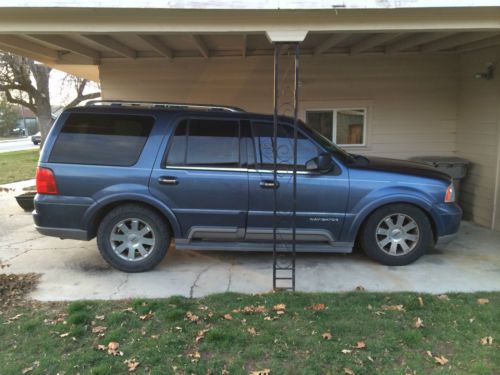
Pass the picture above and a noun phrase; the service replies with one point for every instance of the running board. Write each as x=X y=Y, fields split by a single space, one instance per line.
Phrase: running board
x=340 y=247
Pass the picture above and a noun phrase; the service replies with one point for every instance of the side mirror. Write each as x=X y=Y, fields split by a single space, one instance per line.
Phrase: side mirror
x=321 y=163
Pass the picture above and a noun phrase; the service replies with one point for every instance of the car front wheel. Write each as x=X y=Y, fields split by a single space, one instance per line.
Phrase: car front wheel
x=397 y=234
x=133 y=238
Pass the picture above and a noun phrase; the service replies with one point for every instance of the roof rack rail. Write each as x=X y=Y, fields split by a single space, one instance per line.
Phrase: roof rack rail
x=139 y=103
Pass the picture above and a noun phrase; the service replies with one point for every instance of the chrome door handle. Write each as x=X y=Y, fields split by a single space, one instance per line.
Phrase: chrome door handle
x=269 y=184
x=168 y=180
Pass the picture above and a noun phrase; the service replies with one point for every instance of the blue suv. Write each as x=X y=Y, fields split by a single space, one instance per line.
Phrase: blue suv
x=137 y=176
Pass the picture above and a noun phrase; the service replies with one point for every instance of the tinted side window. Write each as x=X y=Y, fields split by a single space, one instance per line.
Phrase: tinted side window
x=205 y=143
x=263 y=136
x=101 y=139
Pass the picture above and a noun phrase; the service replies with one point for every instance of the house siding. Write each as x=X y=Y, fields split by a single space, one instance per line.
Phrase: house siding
x=478 y=136
x=411 y=100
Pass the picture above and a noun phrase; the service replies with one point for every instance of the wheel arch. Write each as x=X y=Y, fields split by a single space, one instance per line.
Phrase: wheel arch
x=96 y=213
x=359 y=220
x=432 y=222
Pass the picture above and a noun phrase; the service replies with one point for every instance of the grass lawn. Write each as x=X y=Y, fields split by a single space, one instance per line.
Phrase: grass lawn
x=18 y=165
x=353 y=333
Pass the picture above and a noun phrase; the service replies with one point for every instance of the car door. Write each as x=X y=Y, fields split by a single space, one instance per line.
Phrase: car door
x=321 y=198
x=202 y=181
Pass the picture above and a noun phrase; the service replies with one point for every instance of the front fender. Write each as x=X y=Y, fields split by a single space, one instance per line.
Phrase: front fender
x=134 y=193
x=378 y=198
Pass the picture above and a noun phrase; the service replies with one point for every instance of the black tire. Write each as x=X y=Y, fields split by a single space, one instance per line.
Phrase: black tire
x=370 y=240
x=159 y=231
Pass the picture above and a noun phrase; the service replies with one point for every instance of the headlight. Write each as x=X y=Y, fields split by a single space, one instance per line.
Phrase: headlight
x=450 y=194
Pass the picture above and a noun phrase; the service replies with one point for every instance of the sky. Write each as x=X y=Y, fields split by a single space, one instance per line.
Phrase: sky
x=62 y=92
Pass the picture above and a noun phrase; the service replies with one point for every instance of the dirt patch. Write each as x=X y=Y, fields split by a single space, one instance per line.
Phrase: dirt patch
x=15 y=288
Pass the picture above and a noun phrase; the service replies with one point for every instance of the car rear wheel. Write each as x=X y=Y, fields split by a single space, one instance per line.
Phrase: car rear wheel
x=397 y=234
x=133 y=238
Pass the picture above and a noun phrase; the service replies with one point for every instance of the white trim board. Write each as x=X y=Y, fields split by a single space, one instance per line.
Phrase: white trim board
x=248 y=4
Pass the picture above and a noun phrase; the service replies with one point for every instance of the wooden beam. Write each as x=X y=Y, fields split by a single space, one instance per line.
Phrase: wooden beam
x=372 y=41
x=244 y=46
x=332 y=41
x=200 y=44
x=69 y=45
x=490 y=42
x=158 y=45
x=415 y=40
x=456 y=40
x=29 y=47
x=112 y=44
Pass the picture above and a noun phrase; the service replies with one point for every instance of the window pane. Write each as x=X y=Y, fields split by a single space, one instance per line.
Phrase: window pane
x=350 y=123
x=101 y=139
x=263 y=136
x=321 y=121
x=177 y=152
x=213 y=143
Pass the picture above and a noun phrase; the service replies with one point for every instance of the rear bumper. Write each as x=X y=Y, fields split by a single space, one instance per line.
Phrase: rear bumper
x=60 y=216
x=64 y=233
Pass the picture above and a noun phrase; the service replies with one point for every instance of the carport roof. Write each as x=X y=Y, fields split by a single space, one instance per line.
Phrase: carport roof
x=71 y=38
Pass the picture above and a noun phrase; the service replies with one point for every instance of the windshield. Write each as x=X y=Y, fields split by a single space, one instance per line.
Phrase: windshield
x=326 y=143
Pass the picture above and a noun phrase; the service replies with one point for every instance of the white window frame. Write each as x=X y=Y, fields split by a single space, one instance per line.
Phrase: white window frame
x=334 y=122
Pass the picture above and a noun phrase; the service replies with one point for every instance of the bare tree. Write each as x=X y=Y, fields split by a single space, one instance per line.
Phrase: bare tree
x=26 y=82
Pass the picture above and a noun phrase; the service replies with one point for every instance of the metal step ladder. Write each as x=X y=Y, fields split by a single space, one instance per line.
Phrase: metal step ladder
x=284 y=247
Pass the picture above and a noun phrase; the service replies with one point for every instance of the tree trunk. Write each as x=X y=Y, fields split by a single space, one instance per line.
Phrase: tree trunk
x=42 y=99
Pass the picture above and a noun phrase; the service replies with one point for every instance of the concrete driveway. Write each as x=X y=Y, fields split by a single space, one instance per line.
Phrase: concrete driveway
x=75 y=270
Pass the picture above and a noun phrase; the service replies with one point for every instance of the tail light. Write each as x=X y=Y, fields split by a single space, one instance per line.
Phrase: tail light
x=46 y=181
x=450 y=195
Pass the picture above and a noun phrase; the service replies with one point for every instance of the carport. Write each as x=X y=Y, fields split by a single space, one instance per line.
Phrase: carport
x=418 y=81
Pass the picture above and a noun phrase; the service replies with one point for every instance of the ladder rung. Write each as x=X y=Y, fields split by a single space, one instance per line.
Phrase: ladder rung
x=283 y=278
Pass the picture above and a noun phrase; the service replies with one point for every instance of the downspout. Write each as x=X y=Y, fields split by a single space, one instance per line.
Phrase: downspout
x=496 y=196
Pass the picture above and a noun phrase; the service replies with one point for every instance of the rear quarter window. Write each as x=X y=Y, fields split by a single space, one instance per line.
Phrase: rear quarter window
x=115 y=140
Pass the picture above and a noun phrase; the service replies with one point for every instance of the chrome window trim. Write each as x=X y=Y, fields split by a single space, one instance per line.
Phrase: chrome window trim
x=249 y=170
x=227 y=169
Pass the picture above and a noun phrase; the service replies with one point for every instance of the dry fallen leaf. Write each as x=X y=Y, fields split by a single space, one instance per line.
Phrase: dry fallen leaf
x=252 y=331
x=131 y=364
x=327 y=335
x=201 y=334
x=99 y=329
x=195 y=357
x=228 y=317
x=316 y=307
x=346 y=351
x=191 y=317
x=488 y=340
x=420 y=301
x=147 y=316
x=348 y=371
x=483 y=301
x=441 y=360
x=419 y=323
x=279 y=307
x=64 y=334
x=429 y=353
x=265 y=371
x=29 y=369
x=444 y=297
x=260 y=309
x=100 y=317
x=102 y=347
x=113 y=349
x=360 y=345
x=393 y=308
